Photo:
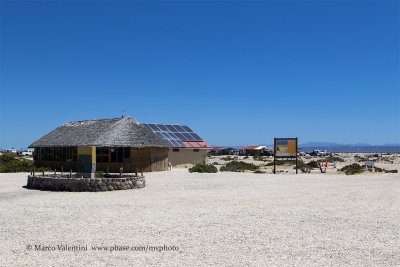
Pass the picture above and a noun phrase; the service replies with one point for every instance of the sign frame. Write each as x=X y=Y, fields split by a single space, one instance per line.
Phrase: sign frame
x=286 y=156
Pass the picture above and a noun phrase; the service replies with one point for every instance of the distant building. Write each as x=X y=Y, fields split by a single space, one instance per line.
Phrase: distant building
x=10 y=150
x=253 y=150
x=220 y=150
x=186 y=146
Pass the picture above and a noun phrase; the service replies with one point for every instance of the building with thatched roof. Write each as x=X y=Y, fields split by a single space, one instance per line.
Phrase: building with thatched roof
x=105 y=145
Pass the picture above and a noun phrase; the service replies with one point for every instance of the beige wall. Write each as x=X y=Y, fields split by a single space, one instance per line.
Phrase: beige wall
x=186 y=157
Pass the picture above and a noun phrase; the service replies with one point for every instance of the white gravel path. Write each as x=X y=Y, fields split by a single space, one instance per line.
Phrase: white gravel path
x=223 y=219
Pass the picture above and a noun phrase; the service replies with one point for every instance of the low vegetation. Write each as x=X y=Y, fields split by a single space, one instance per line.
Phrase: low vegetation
x=278 y=163
x=100 y=174
x=377 y=169
x=258 y=172
x=259 y=158
x=333 y=159
x=361 y=158
x=203 y=168
x=300 y=164
x=239 y=166
x=229 y=158
x=11 y=163
x=352 y=169
x=313 y=164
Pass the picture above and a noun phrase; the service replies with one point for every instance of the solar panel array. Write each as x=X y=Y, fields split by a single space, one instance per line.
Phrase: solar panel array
x=174 y=134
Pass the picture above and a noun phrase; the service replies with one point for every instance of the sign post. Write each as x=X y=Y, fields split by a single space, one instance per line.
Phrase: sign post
x=285 y=148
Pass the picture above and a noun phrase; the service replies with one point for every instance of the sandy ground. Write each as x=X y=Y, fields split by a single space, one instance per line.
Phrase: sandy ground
x=223 y=219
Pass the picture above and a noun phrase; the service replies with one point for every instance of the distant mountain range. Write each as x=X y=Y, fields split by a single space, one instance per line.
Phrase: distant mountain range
x=330 y=144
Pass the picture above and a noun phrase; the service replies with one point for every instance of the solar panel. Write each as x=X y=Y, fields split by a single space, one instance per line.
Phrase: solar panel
x=162 y=127
x=187 y=129
x=160 y=134
x=173 y=133
x=175 y=142
x=171 y=142
x=180 y=136
x=196 y=137
x=171 y=128
x=179 y=128
x=180 y=143
x=154 y=127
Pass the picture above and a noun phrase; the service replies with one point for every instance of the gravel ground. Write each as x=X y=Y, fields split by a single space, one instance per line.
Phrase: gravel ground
x=223 y=219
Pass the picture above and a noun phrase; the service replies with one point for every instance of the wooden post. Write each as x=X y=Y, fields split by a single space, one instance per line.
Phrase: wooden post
x=62 y=170
x=70 y=173
x=136 y=172
x=33 y=171
x=43 y=171
x=55 y=173
x=142 y=171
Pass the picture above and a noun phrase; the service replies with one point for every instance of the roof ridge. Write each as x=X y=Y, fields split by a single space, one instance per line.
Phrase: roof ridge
x=90 y=120
x=165 y=123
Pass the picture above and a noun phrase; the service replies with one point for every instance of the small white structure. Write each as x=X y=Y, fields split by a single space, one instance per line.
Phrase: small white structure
x=28 y=152
x=10 y=150
x=369 y=164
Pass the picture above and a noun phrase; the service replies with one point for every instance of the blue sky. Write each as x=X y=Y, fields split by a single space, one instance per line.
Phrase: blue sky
x=236 y=72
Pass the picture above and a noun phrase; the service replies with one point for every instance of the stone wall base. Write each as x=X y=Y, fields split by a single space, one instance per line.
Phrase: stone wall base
x=85 y=184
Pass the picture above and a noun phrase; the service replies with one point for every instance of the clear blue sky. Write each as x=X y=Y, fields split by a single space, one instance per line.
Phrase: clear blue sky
x=236 y=72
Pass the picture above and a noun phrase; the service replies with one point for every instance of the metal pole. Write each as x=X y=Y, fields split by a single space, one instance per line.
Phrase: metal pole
x=296 y=155
x=274 y=155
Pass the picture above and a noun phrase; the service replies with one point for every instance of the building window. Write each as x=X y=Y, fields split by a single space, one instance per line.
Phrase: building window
x=101 y=154
x=196 y=150
x=127 y=154
x=175 y=149
x=58 y=153
x=114 y=154
x=120 y=154
x=74 y=153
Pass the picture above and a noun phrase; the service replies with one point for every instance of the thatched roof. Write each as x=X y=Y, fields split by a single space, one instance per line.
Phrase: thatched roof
x=106 y=132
